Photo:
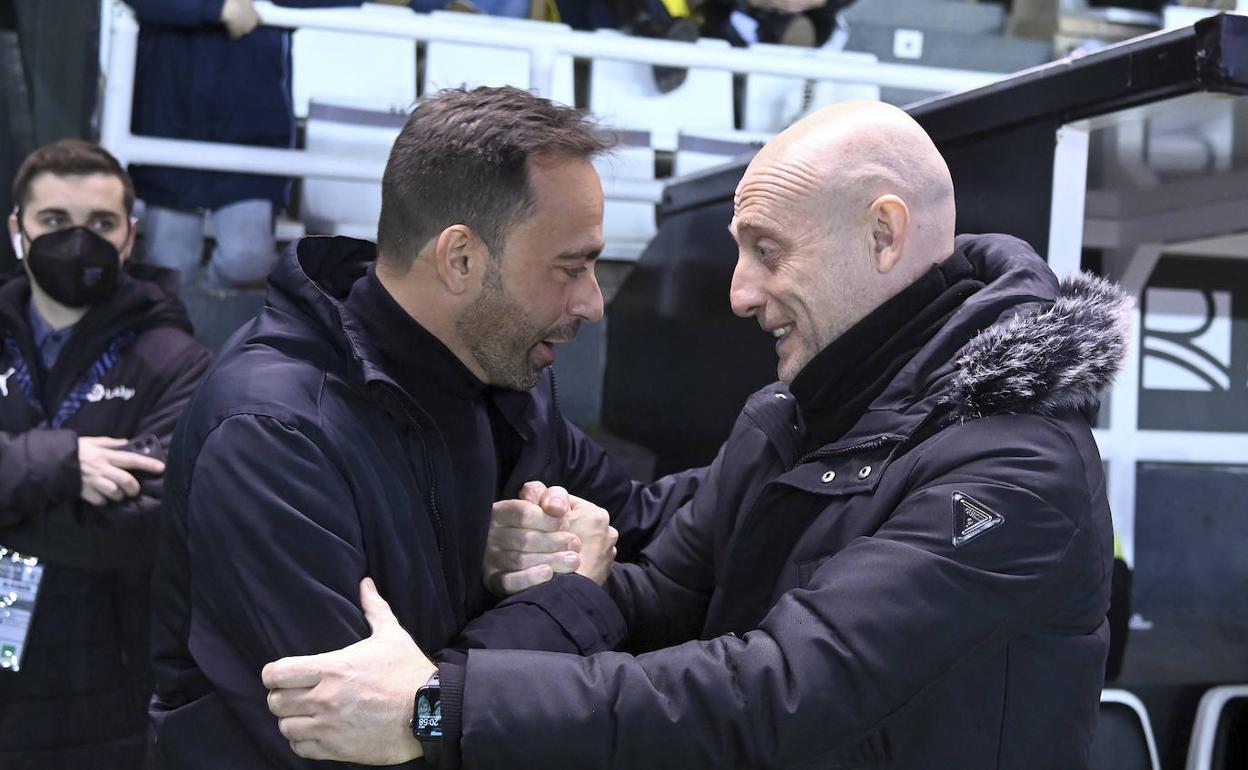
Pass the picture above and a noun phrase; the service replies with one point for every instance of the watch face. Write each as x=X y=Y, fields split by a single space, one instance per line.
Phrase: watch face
x=429 y=713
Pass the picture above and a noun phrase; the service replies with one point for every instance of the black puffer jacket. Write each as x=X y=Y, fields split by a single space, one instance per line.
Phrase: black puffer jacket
x=127 y=371
x=303 y=465
x=927 y=592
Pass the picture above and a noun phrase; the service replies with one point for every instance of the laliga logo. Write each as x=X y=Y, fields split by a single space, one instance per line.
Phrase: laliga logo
x=100 y=393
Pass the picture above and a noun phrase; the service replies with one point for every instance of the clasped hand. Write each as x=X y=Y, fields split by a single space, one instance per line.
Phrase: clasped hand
x=544 y=532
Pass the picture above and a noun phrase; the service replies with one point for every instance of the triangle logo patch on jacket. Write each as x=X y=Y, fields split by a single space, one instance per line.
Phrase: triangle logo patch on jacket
x=971 y=519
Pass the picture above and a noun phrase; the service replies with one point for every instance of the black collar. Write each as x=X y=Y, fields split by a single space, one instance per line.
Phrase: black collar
x=418 y=361
x=841 y=381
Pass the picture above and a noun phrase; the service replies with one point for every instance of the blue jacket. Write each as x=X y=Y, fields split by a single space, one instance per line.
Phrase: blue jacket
x=928 y=591
x=193 y=82
x=300 y=467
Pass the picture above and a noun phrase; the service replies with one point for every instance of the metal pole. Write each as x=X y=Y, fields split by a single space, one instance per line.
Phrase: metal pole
x=1070 y=187
x=118 y=99
x=219 y=156
x=541 y=70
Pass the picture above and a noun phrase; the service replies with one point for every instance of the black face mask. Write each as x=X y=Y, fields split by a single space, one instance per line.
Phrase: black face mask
x=75 y=266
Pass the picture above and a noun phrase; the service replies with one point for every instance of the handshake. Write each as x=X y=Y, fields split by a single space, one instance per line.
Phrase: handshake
x=543 y=532
x=355 y=704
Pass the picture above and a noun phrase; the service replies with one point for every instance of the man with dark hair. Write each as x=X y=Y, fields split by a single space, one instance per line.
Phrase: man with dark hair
x=96 y=364
x=366 y=421
x=900 y=557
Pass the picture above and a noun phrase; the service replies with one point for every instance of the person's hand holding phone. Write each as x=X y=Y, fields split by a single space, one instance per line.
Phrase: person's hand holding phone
x=109 y=466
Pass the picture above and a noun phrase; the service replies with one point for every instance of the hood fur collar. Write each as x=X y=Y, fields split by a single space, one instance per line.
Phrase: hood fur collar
x=1045 y=362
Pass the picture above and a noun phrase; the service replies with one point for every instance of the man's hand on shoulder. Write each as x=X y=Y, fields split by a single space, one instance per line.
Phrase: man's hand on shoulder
x=106 y=469
x=239 y=17
x=353 y=704
x=546 y=531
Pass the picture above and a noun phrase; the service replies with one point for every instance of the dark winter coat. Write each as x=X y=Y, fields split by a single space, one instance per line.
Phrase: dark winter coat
x=928 y=591
x=193 y=82
x=303 y=466
x=127 y=371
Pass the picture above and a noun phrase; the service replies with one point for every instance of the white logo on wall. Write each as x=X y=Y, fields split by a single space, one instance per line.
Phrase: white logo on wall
x=100 y=393
x=4 y=381
x=1187 y=340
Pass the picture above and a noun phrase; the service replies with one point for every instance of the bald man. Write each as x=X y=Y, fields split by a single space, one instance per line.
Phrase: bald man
x=900 y=557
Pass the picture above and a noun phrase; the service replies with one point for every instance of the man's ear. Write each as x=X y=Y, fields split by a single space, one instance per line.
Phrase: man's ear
x=890 y=222
x=459 y=258
x=13 y=228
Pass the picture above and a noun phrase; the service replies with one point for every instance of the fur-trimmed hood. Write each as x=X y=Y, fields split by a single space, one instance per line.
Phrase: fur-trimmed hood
x=1056 y=357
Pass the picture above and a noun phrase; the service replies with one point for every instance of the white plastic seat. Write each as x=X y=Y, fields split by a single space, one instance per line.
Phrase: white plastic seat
x=362 y=132
x=455 y=65
x=697 y=151
x=285 y=229
x=624 y=94
x=772 y=102
x=335 y=66
x=627 y=225
x=1124 y=735
x=1210 y=730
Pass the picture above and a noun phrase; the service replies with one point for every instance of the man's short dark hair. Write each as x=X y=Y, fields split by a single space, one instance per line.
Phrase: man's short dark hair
x=70 y=157
x=462 y=158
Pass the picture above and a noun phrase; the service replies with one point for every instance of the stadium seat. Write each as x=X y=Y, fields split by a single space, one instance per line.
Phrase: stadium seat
x=1220 y=734
x=334 y=66
x=699 y=150
x=772 y=102
x=624 y=94
x=1124 y=736
x=451 y=65
x=360 y=131
x=627 y=225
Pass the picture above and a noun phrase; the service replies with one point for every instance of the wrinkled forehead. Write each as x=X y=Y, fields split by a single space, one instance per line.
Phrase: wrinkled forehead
x=779 y=181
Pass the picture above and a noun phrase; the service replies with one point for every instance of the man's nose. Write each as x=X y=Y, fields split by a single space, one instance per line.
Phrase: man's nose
x=746 y=295
x=587 y=303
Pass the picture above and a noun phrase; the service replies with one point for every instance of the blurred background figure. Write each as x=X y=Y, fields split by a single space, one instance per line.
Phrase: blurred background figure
x=208 y=71
x=788 y=22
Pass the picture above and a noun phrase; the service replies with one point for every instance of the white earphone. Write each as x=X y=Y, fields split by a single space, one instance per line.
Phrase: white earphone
x=16 y=238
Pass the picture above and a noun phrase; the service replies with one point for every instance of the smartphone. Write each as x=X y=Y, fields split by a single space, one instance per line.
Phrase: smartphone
x=147 y=445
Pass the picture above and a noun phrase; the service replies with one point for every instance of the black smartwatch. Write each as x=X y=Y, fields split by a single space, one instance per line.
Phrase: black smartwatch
x=427 y=719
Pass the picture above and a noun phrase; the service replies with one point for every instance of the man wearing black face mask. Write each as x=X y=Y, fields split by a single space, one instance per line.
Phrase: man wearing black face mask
x=96 y=364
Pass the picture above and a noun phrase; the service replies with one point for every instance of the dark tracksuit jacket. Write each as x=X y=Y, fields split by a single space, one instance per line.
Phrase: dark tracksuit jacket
x=127 y=371
x=193 y=82
x=311 y=458
x=926 y=588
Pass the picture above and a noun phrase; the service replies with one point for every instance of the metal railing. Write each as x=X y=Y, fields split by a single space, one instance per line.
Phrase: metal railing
x=543 y=47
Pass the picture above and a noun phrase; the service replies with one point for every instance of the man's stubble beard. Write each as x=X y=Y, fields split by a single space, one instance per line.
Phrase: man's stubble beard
x=499 y=334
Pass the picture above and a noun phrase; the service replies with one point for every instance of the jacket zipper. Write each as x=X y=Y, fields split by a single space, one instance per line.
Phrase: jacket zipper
x=555 y=417
x=874 y=443
x=438 y=529
x=433 y=499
